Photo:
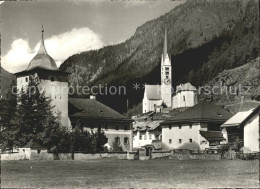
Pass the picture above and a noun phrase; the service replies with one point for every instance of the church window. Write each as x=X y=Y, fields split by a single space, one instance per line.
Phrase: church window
x=170 y=141
x=180 y=141
x=150 y=137
x=126 y=141
x=144 y=137
x=26 y=79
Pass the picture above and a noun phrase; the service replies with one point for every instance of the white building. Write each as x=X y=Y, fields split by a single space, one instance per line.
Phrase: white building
x=199 y=124
x=245 y=127
x=146 y=132
x=157 y=95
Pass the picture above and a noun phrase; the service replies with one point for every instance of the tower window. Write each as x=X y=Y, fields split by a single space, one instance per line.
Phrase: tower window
x=170 y=141
x=180 y=141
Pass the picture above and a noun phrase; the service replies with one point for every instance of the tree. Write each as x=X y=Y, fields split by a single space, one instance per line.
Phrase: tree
x=8 y=119
x=36 y=120
x=116 y=146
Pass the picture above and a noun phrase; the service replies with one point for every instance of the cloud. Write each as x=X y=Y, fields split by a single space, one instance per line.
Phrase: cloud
x=59 y=47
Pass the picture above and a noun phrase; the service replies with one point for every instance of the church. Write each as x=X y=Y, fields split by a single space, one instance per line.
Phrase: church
x=161 y=96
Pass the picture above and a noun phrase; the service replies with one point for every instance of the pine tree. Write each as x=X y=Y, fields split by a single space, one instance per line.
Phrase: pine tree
x=8 y=119
x=36 y=120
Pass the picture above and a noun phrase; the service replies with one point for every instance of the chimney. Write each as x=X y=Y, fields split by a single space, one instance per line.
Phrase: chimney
x=92 y=97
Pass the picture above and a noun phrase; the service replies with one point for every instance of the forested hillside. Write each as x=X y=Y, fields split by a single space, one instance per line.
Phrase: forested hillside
x=205 y=37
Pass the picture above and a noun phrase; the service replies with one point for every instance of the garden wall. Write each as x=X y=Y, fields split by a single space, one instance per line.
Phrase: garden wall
x=194 y=156
x=160 y=154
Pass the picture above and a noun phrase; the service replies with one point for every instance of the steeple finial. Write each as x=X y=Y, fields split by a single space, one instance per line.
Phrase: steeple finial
x=42 y=49
x=165 y=44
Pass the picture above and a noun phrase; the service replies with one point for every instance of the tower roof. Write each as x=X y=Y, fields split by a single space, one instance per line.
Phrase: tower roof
x=42 y=59
x=165 y=45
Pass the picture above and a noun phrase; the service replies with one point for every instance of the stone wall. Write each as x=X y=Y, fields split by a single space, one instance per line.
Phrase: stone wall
x=160 y=154
x=188 y=156
x=13 y=156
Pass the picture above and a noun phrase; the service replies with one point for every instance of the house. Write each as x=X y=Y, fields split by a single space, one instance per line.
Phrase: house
x=92 y=115
x=199 y=124
x=243 y=126
x=161 y=96
x=146 y=132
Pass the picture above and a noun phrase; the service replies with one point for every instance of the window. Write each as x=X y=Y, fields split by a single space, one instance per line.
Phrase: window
x=106 y=126
x=38 y=151
x=190 y=126
x=167 y=68
x=140 y=137
x=179 y=126
x=117 y=127
x=126 y=141
x=26 y=79
x=170 y=127
x=117 y=140
x=180 y=141
x=52 y=79
x=150 y=137
x=170 y=141
x=190 y=140
x=144 y=137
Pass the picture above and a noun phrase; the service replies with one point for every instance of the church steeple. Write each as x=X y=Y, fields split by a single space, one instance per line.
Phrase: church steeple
x=165 y=44
x=42 y=49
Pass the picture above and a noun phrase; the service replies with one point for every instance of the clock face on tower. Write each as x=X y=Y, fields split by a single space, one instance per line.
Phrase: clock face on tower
x=167 y=81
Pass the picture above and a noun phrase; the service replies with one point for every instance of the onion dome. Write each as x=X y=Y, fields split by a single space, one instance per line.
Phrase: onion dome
x=42 y=60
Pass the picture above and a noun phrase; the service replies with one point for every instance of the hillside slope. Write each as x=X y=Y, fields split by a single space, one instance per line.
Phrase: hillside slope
x=205 y=37
x=6 y=80
x=234 y=85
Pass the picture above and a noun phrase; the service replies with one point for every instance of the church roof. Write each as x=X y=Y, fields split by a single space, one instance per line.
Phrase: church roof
x=153 y=92
x=93 y=109
x=202 y=112
x=185 y=87
x=42 y=59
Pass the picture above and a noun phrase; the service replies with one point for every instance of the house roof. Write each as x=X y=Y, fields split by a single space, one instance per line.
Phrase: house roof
x=153 y=92
x=240 y=118
x=201 y=112
x=93 y=109
x=212 y=135
x=185 y=87
x=146 y=125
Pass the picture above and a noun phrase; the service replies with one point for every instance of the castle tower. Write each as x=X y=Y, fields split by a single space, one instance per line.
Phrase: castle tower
x=166 y=75
x=52 y=81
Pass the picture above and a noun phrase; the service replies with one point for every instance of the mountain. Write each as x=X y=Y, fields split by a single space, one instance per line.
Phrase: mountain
x=205 y=37
x=5 y=81
x=234 y=85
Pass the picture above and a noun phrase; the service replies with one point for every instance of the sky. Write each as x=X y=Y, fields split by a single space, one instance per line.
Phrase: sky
x=70 y=27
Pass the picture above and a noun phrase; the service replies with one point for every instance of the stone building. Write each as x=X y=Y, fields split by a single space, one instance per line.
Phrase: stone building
x=199 y=124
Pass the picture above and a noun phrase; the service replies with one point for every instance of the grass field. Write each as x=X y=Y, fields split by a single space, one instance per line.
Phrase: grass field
x=123 y=173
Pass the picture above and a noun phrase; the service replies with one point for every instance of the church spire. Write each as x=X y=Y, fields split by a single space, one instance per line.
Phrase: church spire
x=165 y=44
x=42 y=49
